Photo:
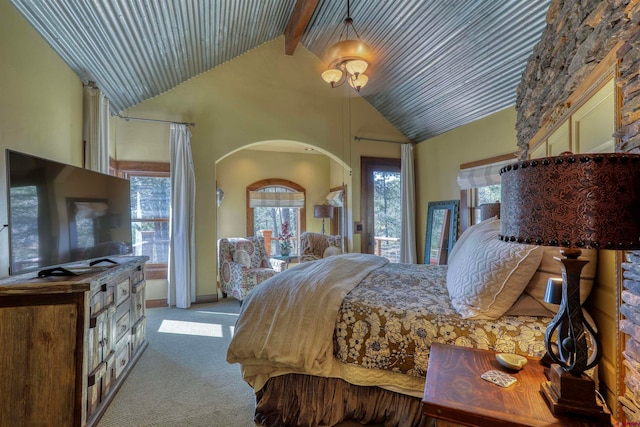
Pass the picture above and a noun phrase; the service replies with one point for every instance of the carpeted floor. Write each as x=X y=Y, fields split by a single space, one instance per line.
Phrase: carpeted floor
x=182 y=378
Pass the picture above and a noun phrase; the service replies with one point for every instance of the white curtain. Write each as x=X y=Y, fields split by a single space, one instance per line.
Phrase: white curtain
x=182 y=257
x=95 y=130
x=408 y=201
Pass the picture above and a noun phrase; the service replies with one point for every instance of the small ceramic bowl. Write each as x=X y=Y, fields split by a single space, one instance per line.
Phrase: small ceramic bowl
x=511 y=361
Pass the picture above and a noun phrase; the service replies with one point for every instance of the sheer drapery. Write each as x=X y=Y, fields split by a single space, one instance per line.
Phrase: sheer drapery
x=408 y=202
x=95 y=130
x=182 y=264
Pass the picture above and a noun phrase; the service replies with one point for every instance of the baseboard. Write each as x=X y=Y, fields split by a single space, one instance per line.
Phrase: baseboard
x=201 y=299
x=156 y=303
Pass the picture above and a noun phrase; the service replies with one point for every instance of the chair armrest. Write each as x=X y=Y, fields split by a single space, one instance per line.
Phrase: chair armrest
x=309 y=257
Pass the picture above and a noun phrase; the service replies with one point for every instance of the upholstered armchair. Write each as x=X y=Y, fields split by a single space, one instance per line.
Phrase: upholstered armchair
x=243 y=265
x=315 y=246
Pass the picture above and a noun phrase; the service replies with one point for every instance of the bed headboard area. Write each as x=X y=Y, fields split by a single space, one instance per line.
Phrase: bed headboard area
x=585 y=44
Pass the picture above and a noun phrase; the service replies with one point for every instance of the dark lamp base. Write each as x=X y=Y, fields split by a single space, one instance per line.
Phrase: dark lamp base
x=569 y=395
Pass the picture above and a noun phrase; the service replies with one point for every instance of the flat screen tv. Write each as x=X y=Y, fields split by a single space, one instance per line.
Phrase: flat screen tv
x=60 y=213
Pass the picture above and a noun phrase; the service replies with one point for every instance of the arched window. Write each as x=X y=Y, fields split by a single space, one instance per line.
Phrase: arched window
x=270 y=204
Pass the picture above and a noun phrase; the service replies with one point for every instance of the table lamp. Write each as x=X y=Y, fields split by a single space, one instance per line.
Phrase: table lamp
x=573 y=202
x=323 y=211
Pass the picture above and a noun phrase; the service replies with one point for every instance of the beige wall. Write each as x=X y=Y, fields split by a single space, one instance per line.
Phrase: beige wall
x=245 y=167
x=438 y=160
x=40 y=105
x=263 y=95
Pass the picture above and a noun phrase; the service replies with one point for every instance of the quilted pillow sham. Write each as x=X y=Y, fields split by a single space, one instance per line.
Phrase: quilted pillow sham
x=486 y=275
x=486 y=224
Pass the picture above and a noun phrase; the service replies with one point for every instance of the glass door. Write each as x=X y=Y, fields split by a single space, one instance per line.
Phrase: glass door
x=381 y=207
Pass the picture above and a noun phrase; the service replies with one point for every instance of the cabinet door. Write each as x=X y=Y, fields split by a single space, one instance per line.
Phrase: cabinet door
x=33 y=386
x=97 y=324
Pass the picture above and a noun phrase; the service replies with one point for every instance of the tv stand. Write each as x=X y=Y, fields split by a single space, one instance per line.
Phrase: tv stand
x=69 y=342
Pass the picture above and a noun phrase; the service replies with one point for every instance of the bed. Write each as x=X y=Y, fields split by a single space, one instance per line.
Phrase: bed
x=348 y=337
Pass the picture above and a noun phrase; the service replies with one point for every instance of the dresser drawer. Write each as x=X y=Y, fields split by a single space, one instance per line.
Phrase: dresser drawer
x=138 y=334
x=122 y=354
x=138 y=300
x=123 y=323
x=137 y=275
x=94 y=382
x=122 y=291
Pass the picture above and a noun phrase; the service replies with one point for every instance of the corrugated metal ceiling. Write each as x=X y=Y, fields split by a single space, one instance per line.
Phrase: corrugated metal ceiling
x=438 y=65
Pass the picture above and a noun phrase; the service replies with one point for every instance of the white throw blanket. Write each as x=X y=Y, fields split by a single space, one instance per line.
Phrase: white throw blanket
x=286 y=324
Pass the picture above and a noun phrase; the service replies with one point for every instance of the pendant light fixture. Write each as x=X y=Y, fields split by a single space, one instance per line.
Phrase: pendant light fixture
x=348 y=59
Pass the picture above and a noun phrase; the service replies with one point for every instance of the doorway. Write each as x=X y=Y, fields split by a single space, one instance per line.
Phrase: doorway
x=381 y=207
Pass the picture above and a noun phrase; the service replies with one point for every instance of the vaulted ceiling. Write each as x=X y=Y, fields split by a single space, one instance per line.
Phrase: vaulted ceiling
x=438 y=64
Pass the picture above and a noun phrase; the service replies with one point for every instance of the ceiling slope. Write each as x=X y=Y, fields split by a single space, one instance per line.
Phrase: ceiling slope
x=439 y=64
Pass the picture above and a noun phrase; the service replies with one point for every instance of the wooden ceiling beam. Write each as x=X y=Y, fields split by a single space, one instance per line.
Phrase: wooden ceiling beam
x=298 y=21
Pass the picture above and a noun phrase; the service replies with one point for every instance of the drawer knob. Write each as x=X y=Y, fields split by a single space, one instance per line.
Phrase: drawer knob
x=139 y=306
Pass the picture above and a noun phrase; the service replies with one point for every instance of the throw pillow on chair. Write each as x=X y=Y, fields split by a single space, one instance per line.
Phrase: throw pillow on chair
x=242 y=258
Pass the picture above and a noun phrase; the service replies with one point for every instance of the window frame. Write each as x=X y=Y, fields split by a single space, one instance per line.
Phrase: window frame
x=127 y=169
x=276 y=182
x=468 y=197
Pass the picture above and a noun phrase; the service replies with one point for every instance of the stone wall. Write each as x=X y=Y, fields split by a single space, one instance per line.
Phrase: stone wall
x=629 y=83
x=579 y=34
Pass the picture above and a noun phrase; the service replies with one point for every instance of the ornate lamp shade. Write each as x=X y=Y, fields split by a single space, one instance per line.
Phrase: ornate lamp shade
x=323 y=211
x=573 y=201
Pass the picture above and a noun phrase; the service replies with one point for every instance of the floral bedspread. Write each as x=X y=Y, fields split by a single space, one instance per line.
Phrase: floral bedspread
x=391 y=318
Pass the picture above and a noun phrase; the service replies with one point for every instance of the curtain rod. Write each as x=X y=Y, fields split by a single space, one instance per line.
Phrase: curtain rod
x=359 y=138
x=155 y=120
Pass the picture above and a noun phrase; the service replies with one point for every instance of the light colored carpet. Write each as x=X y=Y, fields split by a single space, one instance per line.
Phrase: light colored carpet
x=182 y=378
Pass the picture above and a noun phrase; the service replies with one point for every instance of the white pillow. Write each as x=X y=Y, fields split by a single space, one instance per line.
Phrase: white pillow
x=330 y=251
x=487 y=223
x=488 y=275
x=242 y=257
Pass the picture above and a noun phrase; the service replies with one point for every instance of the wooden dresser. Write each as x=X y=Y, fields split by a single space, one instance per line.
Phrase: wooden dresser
x=68 y=342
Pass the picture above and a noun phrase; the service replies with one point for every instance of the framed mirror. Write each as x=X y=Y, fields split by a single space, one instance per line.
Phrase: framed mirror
x=442 y=231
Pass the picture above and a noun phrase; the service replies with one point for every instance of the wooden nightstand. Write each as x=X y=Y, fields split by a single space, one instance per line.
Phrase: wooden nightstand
x=455 y=392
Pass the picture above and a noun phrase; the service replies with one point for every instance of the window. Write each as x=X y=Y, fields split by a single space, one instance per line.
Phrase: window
x=270 y=203
x=480 y=185
x=485 y=195
x=150 y=207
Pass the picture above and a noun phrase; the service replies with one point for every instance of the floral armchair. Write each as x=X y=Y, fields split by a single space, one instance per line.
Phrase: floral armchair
x=243 y=265
x=315 y=246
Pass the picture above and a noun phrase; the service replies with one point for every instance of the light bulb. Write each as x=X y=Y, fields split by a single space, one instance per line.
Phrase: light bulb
x=332 y=76
x=356 y=67
x=358 y=82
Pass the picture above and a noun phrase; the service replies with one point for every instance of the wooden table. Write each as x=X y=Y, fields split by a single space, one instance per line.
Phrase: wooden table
x=455 y=392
